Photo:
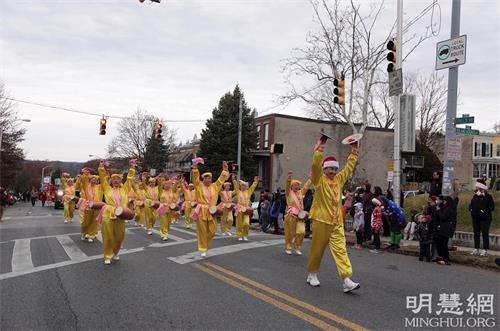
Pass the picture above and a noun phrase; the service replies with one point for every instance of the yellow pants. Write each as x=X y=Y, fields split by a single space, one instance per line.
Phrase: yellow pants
x=88 y=224
x=205 y=231
x=113 y=234
x=187 y=217
x=165 y=220
x=226 y=221
x=294 y=232
x=242 y=225
x=69 y=209
x=140 y=215
x=333 y=236
x=150 y=214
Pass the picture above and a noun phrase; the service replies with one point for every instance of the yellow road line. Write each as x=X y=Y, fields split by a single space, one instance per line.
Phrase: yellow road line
x=288 y=298
x=283 y=306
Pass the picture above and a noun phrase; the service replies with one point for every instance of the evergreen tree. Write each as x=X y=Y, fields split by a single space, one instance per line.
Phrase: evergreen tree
x=156 y=154
x=219 y=140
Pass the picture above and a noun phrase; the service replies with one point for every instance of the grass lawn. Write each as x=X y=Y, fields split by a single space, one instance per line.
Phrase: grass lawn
x=464 y=221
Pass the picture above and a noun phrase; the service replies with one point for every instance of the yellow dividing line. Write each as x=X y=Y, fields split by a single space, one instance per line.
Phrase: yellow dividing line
x=290 y=299
x=283 y=306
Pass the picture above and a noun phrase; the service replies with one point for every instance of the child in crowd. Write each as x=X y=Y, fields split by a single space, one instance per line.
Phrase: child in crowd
x=376 y=223
x=424 y=233
x=358 y=224
x=409 y=231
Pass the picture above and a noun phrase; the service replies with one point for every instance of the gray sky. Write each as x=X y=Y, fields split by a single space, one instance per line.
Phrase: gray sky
x=176 y=59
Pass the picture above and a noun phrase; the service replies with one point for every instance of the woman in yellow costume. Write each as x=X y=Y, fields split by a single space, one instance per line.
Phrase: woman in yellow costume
x=139 y=202
x=206 y=197
x=226 y=220
x=168 y=198
x=326 y=213
x=69 y=197
x=91 y=191
x=189 y=203
x=177 y=189
x=294 y=219
x=243 y=194
x=152 y=197
x=116 y=195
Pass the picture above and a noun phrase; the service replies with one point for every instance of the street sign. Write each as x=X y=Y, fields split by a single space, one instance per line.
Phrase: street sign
x=46 y=179
x=390 y=165
x=390 y=176
x=454 y=151
x=465 y=119
x=467 y=131
x=451 y=52
x=407 y=122
x=395 y=82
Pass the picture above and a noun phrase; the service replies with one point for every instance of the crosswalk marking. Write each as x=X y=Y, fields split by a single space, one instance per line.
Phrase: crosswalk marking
x=21 y=256
x=170 y=236
x=71 y=248
x=184 y=231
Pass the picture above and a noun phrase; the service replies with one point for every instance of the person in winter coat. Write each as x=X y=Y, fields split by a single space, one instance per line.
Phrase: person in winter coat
x=368 y=209
x=480 y=209
x=424 y=233
x=358 y=224
x=376 y=223
x=444 y=227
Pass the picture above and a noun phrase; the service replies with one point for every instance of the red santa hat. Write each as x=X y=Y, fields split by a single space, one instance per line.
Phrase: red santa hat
x=330 y=162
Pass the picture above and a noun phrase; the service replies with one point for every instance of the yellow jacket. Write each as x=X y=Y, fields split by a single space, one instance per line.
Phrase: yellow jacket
x=327 y=202
x=69 y=191
x=122 y=190
x=207 y=196
x=228 y=199
x=243 y=197
x=88 y=191
x=290 y=201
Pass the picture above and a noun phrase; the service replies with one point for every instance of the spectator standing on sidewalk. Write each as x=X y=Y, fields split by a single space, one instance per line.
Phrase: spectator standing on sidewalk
x=424 y=233
x=308 y=200
x=435 y=185
x=368 y=208
x=480 y=207
x=358 y=224
x=444 y=228
x=376 y=222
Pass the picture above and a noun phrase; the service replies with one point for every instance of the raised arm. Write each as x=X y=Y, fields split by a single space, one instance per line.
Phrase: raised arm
x=344 y=174
x=288 y=183
x=316 y=169
x=103 y=174
x=195 y=176
x=252 y=188
x=222 y=178
x=130 y=178
x=307 y=186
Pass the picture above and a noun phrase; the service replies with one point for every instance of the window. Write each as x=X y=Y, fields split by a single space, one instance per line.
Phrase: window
x=258 y=136
x=478 y=170
x=493 y=170
x=483 y=150
x=498 y=150
x=266 y=135
x=477 y=149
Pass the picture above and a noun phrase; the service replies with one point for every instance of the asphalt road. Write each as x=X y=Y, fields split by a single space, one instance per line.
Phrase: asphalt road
x=50 y=280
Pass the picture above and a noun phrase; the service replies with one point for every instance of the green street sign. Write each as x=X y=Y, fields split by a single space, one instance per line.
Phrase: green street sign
x=465 y=119
x=469 y=132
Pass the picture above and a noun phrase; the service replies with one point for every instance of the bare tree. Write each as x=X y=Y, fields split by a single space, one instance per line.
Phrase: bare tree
x=134 y=134
x=345 y=45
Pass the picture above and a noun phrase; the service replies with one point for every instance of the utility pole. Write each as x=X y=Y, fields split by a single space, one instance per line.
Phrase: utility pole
x=240 y=128
x=451 y=107
x=396 y=181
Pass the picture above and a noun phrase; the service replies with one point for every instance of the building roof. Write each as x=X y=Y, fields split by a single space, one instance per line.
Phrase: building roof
x=306 y=119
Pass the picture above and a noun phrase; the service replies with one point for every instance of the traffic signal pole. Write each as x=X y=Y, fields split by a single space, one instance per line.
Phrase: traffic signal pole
x=396 y=181
x=451 y=107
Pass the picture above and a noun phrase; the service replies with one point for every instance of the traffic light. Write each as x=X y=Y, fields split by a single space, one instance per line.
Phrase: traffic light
x=391 y=56
x=102 y=128
x=234 y=167
x=158 y=127
x=339 y=91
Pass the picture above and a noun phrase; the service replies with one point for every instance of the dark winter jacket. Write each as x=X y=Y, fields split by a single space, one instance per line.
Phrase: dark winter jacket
x=481 y=207
x=445 y=220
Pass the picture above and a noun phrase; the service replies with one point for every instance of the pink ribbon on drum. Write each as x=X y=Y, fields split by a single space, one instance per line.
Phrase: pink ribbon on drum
x=293 y=211
x=196 y=212
x=101 y=214
x=83 y=204
x=162 y=210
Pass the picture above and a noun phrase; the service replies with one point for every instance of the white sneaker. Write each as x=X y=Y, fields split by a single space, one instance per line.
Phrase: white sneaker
x=312 y=279
x=164 y=238
x=483 y=253
x=475 y=252
x=298 y=252
x=229 y=234
x=288 y=251
x=204 y=254
x=240 y=239
x=82 y=237
x=150 y=233
x=349 y=285
x=90 y=240
x=116 y=257
x=108 y=261
x=65 y=221
x=373 y=251
x=245 y=238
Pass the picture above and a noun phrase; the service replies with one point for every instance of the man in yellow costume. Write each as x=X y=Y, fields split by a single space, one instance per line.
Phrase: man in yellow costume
x=243 y=194
x=294 y=220
x=206 y=197
x=189 y=203
x=152 y=196
x=226 y=220
x=69 y=197
x=168 y=196
x=116 y=195
x=91 y=191
x=139 y=202
x=326 y=213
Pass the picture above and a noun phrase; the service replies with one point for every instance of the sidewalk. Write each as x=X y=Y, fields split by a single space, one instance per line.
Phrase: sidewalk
x=462 y=255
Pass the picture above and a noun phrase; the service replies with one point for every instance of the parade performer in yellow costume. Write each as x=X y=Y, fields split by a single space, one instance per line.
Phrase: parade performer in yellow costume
x=226 y=220
x=326 y=213
x=189 y=203
x=116 y=195
x=243 y=194
x=69 y=197
x=152 y=196
x=91 y=191
x=168 y=198
x=176 y=189
x=139 y=202
x=295 y=214
x=206 y=197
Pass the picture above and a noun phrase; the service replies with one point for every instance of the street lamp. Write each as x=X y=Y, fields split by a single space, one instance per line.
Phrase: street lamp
x=1 y=150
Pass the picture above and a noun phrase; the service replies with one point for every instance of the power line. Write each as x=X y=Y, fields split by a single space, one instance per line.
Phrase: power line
x=90 y=113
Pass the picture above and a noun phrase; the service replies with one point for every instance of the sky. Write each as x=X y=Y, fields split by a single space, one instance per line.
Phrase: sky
x=176 y=60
